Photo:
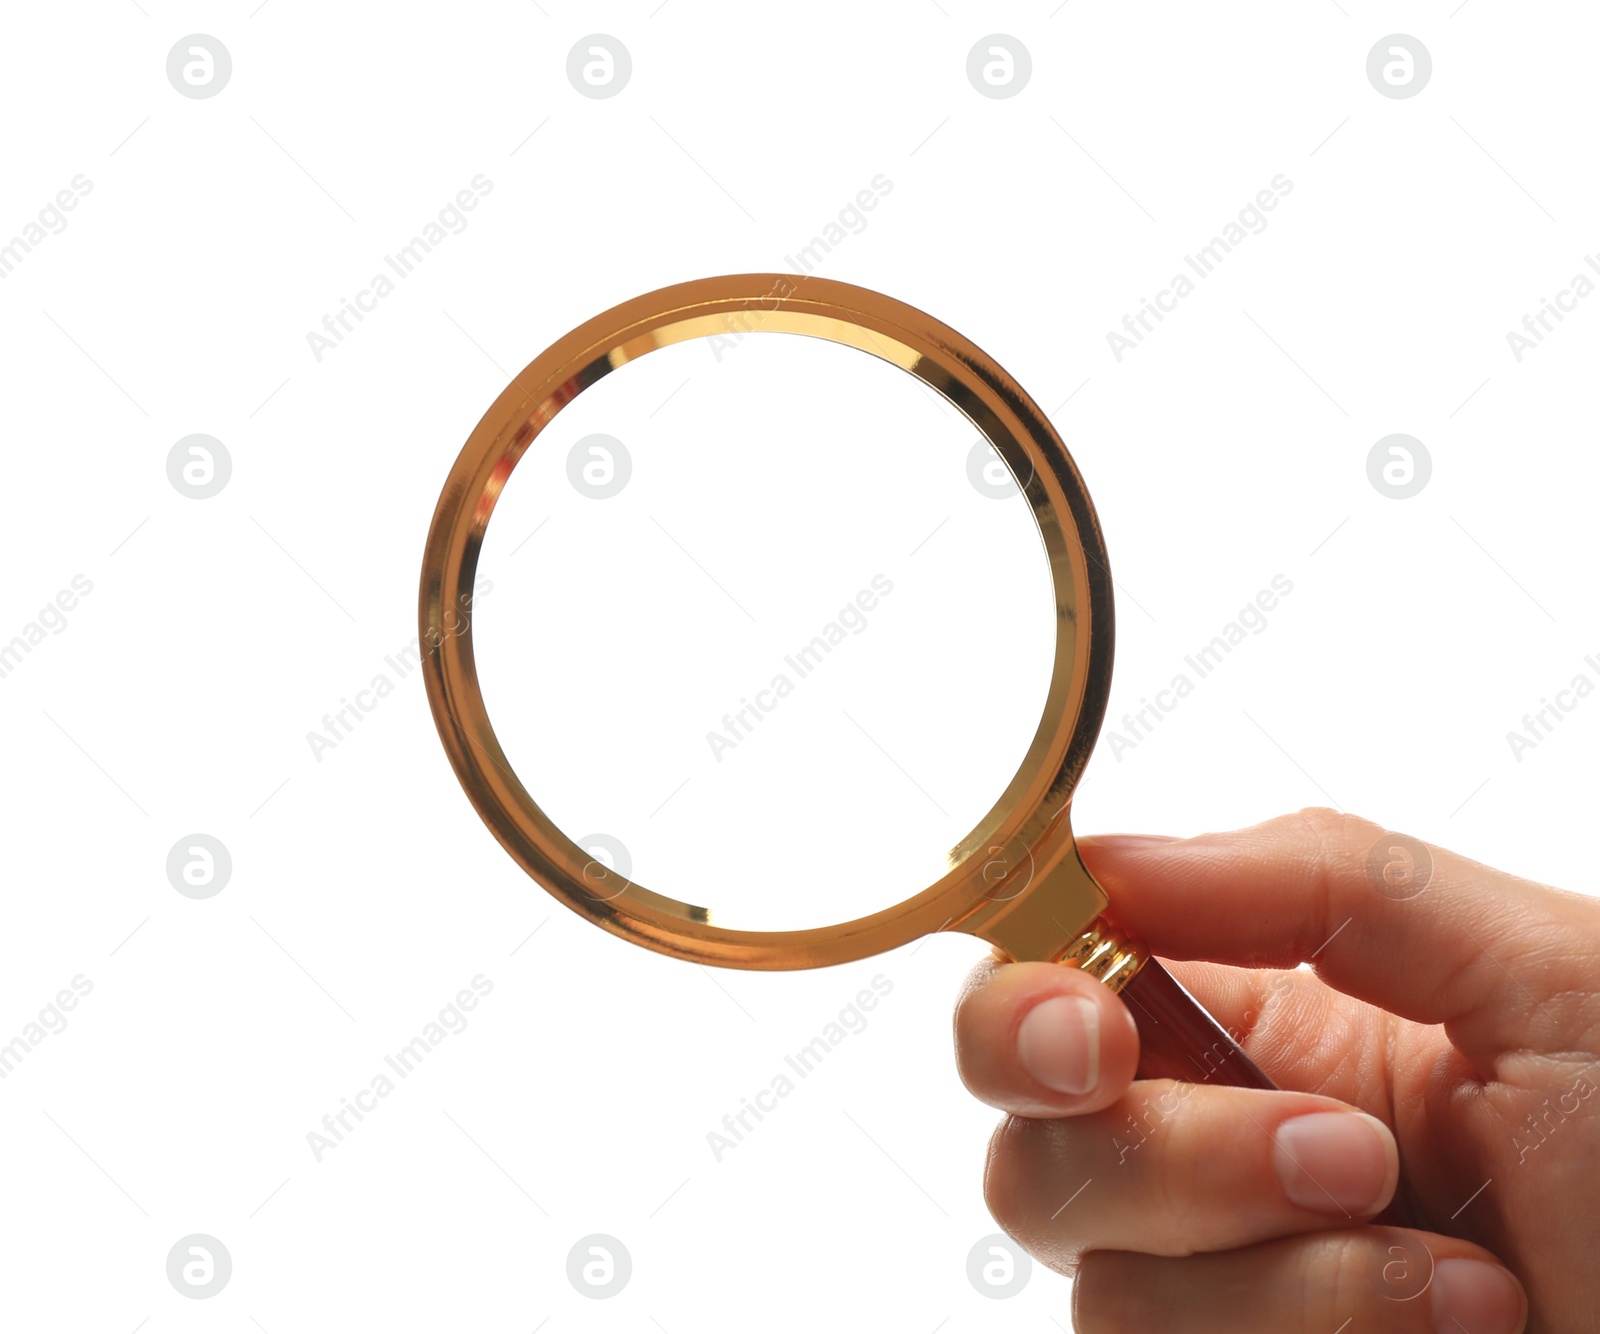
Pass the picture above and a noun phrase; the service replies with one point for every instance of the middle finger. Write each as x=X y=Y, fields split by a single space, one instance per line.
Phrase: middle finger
x=1172 y=1169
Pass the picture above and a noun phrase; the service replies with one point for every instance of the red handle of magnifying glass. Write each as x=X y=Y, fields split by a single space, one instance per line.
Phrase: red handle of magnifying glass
x=1179 y=1040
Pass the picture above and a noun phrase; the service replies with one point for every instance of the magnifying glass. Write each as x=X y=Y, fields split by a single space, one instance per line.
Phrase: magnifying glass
x=1013 y=878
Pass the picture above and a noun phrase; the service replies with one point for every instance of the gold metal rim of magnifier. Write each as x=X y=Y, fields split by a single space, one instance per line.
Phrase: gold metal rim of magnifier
x=1015 y=879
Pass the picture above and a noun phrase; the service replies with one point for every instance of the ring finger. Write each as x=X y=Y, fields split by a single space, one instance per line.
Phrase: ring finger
x=1371 y=1279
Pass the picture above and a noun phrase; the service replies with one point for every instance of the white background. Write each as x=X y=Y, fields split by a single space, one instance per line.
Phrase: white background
x=1229 y=447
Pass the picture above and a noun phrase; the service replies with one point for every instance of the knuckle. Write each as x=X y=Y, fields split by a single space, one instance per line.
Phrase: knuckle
x=1022 y=1186
x=1334 y=833
x=1336 y=845
x=1199 y=1149
x=1107 y=1299
x=1335 y=1273
x=1000 y=1173
x=1192 y=1170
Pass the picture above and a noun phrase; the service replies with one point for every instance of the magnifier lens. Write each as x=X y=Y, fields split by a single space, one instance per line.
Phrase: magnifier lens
x=765 y=626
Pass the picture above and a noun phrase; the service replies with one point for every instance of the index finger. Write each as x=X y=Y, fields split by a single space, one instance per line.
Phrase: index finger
x=1448 y=941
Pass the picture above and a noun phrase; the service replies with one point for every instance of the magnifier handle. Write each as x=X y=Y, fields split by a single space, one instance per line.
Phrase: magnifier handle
x=1179 y=1040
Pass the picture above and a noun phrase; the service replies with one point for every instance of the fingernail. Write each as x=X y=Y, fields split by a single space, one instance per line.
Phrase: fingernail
x=1335 y=1162
x=1126 y=842
x=1059 y=1044
x=1475 y=1295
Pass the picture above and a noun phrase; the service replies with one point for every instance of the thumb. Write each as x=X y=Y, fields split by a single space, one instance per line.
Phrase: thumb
x=1504 y=963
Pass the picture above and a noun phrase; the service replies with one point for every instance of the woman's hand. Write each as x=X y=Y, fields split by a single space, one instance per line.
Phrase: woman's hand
x=1454 y=1015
